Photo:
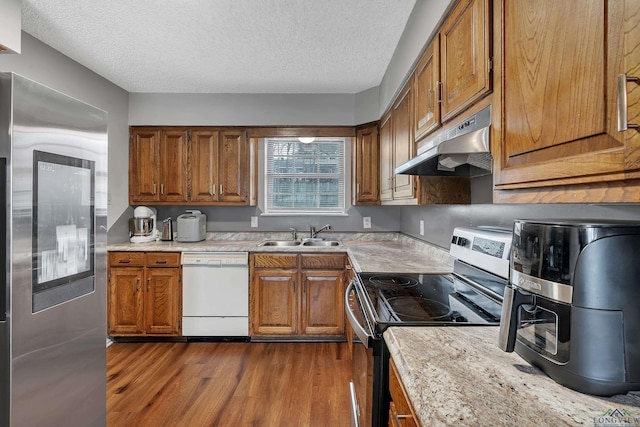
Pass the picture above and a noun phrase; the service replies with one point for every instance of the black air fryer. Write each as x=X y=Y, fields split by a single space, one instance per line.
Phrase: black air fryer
x=572 y=307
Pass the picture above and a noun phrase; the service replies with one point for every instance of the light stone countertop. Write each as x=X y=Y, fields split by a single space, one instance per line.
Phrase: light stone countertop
x=458 y=376
x=369 y=252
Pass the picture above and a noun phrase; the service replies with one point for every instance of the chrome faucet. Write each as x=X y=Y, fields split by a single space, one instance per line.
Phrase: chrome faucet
x=313 y=232
x=294 y=233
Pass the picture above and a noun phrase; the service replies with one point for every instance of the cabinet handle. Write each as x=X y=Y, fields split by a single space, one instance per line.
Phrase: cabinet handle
x=294 y=286
x=358 y=189
x=439 y=92
x=304 y=287
x=622 y=102
x=430 y=98
x=221 y=189
x=148 y=284
x=154 y=189
x=213 y=189
x=137 y=284
x=161 y=261
x=397 y=417
x=125 y=261
x=161 y=188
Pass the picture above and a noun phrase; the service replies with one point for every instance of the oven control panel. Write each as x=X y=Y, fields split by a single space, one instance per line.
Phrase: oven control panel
x=485 y=247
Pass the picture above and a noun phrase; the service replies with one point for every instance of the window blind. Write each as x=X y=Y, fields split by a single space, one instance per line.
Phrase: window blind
x=305 y=177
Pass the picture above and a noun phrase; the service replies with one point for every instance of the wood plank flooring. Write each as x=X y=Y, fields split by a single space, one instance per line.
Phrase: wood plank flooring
x=228 y=384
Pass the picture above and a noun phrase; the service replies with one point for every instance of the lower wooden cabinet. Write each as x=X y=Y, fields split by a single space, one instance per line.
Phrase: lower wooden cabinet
x=297 y=295
x=401 y=413
x=144 y=294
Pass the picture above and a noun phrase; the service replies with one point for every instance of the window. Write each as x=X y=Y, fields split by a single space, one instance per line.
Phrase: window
x=305 y=177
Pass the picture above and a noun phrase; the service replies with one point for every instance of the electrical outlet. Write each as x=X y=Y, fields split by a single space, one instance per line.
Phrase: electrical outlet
x=254 y=222
x=422 y=227
x=366 y=222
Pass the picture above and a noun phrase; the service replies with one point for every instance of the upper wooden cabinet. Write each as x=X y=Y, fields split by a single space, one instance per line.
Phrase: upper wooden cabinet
x=203 y=166
x=365 y=155
x=465 y=52
x=173 y=161
x=557 y=137
x=386 y=159
x=219 y=169
x=454 y=70
x=397 y=147
x=426 y=86
x=144 y=165
x=404 y=186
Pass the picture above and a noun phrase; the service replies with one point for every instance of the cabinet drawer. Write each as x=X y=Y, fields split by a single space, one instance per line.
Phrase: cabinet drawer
x=323 y=261
x=126 y=259
x=275 y=260
x=163 y=259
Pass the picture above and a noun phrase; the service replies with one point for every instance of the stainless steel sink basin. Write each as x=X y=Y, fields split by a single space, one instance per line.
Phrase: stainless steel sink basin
x=322 y=243
x=279 y=243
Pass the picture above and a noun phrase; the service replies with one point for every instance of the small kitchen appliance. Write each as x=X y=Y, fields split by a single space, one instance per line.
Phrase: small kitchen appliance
x=374 y=301
x=142 y=227
x=192 y=226
x=167 y=230
x=571 y=307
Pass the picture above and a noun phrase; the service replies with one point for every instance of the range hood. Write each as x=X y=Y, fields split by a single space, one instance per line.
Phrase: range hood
x=460 y=150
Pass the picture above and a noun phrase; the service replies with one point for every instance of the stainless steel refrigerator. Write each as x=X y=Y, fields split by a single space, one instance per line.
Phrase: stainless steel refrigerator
x=53 y=162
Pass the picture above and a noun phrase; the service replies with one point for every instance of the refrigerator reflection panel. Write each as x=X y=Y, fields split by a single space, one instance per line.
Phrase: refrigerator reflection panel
x=52 y=343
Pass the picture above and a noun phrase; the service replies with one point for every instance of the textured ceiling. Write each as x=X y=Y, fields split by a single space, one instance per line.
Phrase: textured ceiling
x=225 y=46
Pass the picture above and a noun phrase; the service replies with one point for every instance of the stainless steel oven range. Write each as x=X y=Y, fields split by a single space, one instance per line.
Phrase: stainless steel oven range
x=472 y=295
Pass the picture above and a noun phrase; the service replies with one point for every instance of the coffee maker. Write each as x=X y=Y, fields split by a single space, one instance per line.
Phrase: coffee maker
x=572 y=306
x=142 y=227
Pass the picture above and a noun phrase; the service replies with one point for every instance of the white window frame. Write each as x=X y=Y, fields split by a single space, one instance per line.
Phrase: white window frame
x=341 y=175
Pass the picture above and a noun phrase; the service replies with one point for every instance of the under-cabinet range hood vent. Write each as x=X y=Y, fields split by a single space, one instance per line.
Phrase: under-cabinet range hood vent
x=461 y=150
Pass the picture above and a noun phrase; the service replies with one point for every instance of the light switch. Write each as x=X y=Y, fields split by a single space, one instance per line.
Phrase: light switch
x=254 y=222
x=366 y=222
x=422 y=227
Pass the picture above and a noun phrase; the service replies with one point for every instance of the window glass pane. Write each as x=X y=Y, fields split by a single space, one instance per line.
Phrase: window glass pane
x=305 y=177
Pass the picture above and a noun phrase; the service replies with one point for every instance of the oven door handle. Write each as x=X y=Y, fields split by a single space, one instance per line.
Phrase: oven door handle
x=360 y=331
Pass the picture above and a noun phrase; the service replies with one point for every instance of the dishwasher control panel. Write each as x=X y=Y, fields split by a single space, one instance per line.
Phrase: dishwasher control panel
x=215 y=258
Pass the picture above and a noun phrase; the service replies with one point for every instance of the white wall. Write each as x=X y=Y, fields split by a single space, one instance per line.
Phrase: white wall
x=45 y=65
x=367 y=106
x=241 y=109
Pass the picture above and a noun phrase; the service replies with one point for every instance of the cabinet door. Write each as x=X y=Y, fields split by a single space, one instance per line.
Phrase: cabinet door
x=173 y=166
x=559 y=99
x=274 y=302
x=427 y=75
x=323 y=302
x=162 y=301
x=465 y=44
x=386 y=159
x=400 y=407
x=144 y=165
x=203 y=171
x=403 y=142
x=233 y=167
x=366 y=167
x=125 y=302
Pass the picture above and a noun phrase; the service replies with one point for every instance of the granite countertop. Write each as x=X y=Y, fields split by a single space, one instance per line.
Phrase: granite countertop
x=458 y=376
x=370 y=252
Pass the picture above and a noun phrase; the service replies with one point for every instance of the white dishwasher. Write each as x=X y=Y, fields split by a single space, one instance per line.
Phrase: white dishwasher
x=215 y=294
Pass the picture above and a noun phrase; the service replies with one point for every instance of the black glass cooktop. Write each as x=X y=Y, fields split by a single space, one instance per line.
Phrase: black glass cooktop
x=409 y=299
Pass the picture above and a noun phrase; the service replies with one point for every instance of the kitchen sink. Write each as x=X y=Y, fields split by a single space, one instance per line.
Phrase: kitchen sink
x=279 y=243
x=322 y=243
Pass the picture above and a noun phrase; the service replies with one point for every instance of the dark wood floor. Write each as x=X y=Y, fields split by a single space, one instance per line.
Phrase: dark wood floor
x=228 y=384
